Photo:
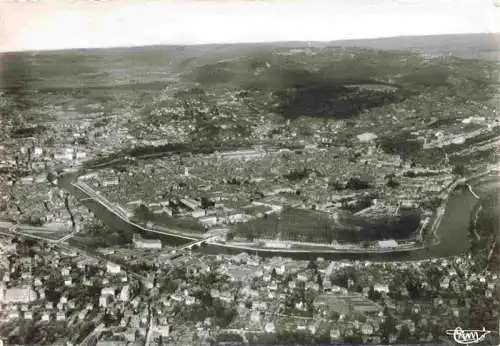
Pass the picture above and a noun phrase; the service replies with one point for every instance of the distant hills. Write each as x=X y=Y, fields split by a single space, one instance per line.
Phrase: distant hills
x=468 y=46
x=137 y=65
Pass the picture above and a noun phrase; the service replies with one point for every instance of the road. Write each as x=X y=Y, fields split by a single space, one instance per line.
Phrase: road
x=150 y=327
x=93 y=335
x=95 y=256
x=112 y=208
x=101 y=199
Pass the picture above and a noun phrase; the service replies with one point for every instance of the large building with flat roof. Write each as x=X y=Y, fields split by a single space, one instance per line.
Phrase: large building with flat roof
x=17 y=295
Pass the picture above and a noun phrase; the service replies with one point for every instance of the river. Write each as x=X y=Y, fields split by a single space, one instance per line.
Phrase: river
x=453 y=230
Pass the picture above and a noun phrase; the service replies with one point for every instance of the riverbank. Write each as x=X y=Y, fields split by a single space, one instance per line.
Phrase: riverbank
x=450 y=237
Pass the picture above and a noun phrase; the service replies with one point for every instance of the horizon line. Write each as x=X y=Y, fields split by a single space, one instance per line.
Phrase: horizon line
x=222 y=43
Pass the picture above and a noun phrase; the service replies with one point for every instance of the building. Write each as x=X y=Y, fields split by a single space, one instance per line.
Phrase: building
x=110 y=182
x=103 y=301
x=108 y=291
x=190 y=203
x=387 y=243
x=81 y=155
x=141 y=243
x=367 y=137
x=244 y=155
x=113 y=268
x=13 y=315
x=277 y=244
x=125 y=293
x=196 y=213
x=60 y=316
x=269 y=327
x=46 y=316
x=38 y=152
x=17 y=295
x=381 y=288
x=208 y=221
x=164 y=331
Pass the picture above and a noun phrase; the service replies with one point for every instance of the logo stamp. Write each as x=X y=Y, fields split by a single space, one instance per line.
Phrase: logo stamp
x=468 y=337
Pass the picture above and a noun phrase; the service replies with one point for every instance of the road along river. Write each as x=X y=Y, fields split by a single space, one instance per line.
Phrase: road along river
x=453 y=230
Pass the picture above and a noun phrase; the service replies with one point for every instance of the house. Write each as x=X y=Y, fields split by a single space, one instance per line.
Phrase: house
x=176 y=297
x=301 y=327
x=13 y=315
x=23 y=294
x=335 y=334
x=110 y=182
x=367 y=137
x=269 y=327
x=147 y=243
x=190 y=203
x=367 y=329
x=108 y=291
x=103 y=301
x=163 y=330
x=445 y=283
x=198 y=213
x=113 y=268
x=208 y=221
x=280 y=269
x=129 y=335
x=387 y=244
x=226 y=297
x=60 y=316
x=302 y=277
x=190 y=300
x=273 y=286
x=255 y=317
x=45 y=316
x=259 y=305
x=381 y=288
x=125 y=293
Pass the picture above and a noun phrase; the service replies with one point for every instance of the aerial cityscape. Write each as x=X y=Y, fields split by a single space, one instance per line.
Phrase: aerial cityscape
x=298 y=193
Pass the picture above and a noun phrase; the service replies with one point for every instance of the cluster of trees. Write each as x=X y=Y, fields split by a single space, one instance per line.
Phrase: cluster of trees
x=400 y=227
x=329 y=100
x=221 y=313
x=354 y=183
x=413 y=174
x=486 y=249
x=297 y=175
x=360 y=204
x=303 y=225
x=143 y=214
x=33 y=220
x=25 y=132
x=99 y=236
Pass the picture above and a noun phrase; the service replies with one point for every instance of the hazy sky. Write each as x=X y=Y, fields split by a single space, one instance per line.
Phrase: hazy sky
x=59 y=24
